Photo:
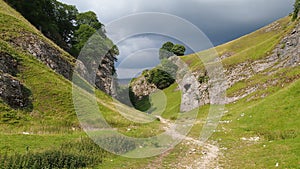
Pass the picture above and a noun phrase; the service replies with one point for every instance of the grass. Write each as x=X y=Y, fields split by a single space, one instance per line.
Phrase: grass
x=271 y=113
x=167 y=102
x=247 y=48
x=275 y=120
x=19 y=143
x=53 y=121
x=18 y=27
x=281 y=77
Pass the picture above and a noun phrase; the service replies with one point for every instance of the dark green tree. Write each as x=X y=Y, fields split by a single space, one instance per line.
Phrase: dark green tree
x=54 y=19
x=81 y=36
x=87 y=24
x=168 y=46
x=168 y=49
x=165 y=50
x=160 y=78
x=68 y=28
x=178 y=50
x=89 y=18
x=65 y=16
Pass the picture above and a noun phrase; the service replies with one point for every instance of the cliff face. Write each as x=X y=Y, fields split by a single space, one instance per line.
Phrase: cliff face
x=105 y=79
x=286 y=54
x=140 y=87
x=12 y=91
x=45 y=52
x=64 y=64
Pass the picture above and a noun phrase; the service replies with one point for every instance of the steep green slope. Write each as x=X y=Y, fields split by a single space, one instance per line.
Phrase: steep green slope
x=261 y=129
x=251 y=47
x=265 y=48
x=51 y=122
x=51 y=93
x=47 y=87
x=274 y=121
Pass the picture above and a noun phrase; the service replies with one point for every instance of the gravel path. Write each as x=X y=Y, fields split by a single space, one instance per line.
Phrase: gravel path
x=207 y=159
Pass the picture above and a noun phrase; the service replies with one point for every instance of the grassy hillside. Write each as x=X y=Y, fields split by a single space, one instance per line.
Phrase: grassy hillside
x=52 y=123
x=270 y=114
x=54 y=130
x=260 y=130
x=275 y=120
x=250 y=47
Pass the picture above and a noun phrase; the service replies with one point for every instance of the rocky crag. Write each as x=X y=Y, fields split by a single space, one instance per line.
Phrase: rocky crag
x=12 y=91
x=285 y=54
x=28 y=40
x=63 y=63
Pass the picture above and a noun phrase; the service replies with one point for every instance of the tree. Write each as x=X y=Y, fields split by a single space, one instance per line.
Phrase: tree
x=160 y=78
x=296 y=9
x=178 y=50
x=54 y=19
x=88 y=24
x=63 y=24
x=168 y=49
x=81 y=36
x=89 y=18
x=168 y=46
x=165 y=50
x=64 y=16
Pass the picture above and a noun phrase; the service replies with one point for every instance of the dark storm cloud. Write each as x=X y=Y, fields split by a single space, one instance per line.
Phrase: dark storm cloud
x=220 y=20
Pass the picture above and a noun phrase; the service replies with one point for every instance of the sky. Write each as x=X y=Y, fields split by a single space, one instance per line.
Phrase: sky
x=220 y=21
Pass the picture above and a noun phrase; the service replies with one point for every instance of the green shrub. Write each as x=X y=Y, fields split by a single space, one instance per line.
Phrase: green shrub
x=160 y=78
x=70 y=155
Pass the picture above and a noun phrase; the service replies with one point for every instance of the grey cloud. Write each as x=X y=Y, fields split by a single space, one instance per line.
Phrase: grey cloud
x=220 y=20
x=214 y=17
x=141 y=59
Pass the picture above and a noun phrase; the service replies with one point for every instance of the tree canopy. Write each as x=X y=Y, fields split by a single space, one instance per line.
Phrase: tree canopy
x=89 y=18
x=178 y=50
x=62 y=23
x=160 y=78
x=168 y=49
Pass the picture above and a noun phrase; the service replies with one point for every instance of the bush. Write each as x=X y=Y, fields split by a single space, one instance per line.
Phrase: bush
x=141 y=103
x=178 y=50
x=70 y=155
x=161 y=79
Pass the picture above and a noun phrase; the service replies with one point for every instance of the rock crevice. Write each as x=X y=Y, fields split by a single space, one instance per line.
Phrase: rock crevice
x=12 y=91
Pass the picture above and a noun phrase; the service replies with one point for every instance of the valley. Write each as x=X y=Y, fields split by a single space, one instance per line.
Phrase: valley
x=52 y=112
